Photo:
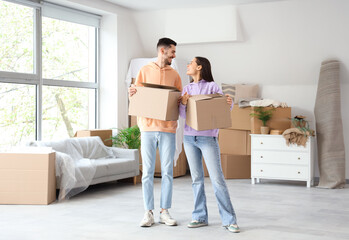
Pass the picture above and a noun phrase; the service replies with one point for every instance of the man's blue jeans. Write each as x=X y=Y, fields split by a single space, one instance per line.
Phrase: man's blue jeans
x=167 y=146
x=197 y=147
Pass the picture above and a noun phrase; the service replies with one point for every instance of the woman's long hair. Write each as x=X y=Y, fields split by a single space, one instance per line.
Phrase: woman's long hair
x=205 y=73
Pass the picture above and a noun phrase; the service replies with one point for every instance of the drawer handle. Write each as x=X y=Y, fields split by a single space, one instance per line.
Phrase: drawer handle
x=261 y=156
x=299 y=158
x=261 y=170
x=261 y=142
x=299 y=172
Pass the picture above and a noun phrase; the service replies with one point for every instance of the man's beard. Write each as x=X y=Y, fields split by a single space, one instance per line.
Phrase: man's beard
x=168 y=61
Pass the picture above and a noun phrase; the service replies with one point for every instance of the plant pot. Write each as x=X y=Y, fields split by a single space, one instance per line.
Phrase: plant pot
x=264 y=130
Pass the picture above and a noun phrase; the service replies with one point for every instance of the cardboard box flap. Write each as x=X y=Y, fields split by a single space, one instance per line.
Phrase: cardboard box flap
x=159 y=86
x=215 y=95
x=205 y=97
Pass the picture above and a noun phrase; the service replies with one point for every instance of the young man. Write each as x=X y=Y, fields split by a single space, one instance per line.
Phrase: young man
x=158 y=134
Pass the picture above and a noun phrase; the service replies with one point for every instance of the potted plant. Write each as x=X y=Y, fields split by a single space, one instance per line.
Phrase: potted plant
x=302 y=124
x=264 y=116
x=127 y=138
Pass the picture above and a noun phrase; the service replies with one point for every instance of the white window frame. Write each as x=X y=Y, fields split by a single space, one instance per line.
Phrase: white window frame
x=35 y=78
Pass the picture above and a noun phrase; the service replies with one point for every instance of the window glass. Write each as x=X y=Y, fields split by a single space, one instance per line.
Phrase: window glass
x=68 y=51
x=17 y=114
x=16 y=38
x=66 y=110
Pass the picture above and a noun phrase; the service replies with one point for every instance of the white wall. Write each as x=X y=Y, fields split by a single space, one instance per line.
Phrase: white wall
x=284 y=45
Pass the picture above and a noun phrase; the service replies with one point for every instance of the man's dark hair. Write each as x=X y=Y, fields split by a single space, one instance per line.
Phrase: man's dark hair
x=166 y=43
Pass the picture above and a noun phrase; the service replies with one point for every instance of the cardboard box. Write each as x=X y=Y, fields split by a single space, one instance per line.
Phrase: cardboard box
x=156 y=102
x=133 y=121
x=208 y=112
x=234 y=166
x=248 y=142
x=281 y=120
x=236 y=142
x=27 y=178
x=104 y=134
x=205 y=168
x=241 y=119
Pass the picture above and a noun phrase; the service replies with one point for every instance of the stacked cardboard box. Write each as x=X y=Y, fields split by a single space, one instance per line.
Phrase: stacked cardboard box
x=27 y=178
x=235 y=147
x=242 y=120
x=104 y=134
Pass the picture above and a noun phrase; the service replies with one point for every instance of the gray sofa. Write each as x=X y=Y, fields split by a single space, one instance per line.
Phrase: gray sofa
x=84 y=161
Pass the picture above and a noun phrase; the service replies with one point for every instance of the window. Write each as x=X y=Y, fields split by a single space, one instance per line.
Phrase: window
x=49 y=94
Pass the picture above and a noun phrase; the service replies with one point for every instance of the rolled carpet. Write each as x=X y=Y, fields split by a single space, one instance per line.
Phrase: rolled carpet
x=329 y=128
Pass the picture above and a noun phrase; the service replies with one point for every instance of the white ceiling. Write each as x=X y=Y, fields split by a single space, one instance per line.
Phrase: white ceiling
x=145 y=5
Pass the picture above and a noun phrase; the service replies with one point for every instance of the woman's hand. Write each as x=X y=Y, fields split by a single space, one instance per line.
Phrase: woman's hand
x=184 y=98
x=229 y=99
x=132 y=90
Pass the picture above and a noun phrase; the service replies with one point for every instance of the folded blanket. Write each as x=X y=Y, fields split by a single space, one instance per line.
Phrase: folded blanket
x=267 y=103
x=296 y=136
x=243 y=103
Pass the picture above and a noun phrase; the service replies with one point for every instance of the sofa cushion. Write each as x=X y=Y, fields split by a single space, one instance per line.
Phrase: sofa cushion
x=111 y=166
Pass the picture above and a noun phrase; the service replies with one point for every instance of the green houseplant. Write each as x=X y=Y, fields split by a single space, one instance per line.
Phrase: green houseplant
x=127 y=138
x=264 y=116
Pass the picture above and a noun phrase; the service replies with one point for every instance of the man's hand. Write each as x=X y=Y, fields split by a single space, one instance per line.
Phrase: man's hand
x=229 y=99
x=184 y=98
x=132 y=90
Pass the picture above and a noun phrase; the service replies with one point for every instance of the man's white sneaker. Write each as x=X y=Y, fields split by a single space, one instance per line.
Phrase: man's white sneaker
x=166 y=218
x=148 y=219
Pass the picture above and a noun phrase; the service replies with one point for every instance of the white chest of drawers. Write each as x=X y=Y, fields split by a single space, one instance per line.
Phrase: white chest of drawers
x=271 y=158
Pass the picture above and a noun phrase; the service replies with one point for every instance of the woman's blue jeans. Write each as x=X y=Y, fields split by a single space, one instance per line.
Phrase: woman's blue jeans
x=197 y=147
x=166 y=142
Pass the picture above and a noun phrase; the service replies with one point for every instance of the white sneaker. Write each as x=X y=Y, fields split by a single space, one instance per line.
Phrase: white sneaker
x=148 y=219
x=166 y=218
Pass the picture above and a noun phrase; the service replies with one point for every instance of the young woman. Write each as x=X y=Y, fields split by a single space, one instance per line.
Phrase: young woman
x=198 y=144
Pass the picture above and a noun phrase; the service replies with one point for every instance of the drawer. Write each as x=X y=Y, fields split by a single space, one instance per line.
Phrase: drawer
x=279 y=171
x=277 y=143
x=297 y=158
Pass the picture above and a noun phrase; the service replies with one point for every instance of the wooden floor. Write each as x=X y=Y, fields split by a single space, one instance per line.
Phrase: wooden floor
x=277 y=210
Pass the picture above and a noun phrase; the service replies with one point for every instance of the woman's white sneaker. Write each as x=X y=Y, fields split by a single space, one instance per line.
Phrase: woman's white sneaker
x=148 y=219
x=166 y=218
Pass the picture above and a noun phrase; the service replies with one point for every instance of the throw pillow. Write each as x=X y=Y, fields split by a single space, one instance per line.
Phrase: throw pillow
x=229 y=89
x=243 y=91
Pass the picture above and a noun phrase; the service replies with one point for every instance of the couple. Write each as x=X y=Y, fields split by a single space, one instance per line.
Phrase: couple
x=197 y=144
